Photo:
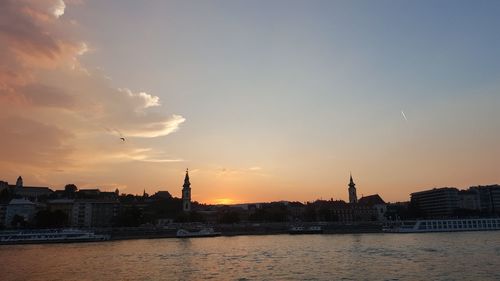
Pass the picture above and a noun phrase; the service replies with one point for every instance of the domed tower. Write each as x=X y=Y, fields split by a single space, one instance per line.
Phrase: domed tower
x=353 y=198
x=186 y=193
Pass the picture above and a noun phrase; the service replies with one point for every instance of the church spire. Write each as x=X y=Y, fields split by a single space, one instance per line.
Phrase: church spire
x=186 y=179
x=353 y=197
x=186 y=193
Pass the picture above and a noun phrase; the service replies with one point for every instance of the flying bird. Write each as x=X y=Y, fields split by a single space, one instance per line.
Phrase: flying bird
x=404 y=116
x=115 y=132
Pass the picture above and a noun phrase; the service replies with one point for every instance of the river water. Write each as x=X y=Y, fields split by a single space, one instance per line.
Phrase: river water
x=423 y=256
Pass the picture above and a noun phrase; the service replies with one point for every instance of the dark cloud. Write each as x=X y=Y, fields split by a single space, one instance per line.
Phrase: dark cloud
x=29 y=29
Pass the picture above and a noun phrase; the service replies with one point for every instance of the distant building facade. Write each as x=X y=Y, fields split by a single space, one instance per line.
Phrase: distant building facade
x=437 y=202
x=367 y=208
x=93 y=213
x=22 y=208
x=451 y=202
x=376 y=204
x=489 y=198
x=63 y=205
x=33 y=193
x=469 y=200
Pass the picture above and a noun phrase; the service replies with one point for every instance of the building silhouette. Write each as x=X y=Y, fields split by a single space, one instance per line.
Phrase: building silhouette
x=34 y=193
x=93 y=212
x=368 y=208
x=21 y=208
x=186 y=193
x=437 y=202
x=489 y=198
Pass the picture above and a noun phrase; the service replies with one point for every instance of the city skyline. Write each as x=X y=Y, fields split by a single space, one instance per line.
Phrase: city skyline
x=186 y=192
x=263 y=101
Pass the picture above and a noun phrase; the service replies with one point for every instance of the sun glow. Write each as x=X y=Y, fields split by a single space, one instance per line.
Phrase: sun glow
x=223 y=201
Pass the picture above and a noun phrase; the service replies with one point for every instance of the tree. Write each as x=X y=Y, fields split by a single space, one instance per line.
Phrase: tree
x=70 y=190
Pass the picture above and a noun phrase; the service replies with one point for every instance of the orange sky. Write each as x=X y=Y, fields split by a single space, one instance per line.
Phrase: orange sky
x=259 y=105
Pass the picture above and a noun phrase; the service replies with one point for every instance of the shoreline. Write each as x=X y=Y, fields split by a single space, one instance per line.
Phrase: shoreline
x=241 y=230
x=133 y=233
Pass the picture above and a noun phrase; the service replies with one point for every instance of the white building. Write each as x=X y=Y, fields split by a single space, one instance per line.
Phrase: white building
x=20 y=207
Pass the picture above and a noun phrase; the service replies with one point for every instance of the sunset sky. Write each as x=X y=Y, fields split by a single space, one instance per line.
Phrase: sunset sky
x=261 y=100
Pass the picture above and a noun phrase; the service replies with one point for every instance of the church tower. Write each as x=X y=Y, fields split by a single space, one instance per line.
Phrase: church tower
x=353 y=198
x=186 y=193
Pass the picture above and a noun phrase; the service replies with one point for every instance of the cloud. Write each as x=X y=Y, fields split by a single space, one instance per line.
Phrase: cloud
x=144 y=100
x=54 y=110
x=157 y=129
x=33 y=34
x=256 y=168
x=45 y=96
x=58 y=8
x=28 y=142
x=146 y=155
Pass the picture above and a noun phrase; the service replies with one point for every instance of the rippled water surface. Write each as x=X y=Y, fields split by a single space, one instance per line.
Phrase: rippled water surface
x=426 y=256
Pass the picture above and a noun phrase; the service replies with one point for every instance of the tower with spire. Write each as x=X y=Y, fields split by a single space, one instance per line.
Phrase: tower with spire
x=186 y=193
x=353 y=198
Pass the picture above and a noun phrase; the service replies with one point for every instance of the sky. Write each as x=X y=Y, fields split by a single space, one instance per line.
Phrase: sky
x=261 y=100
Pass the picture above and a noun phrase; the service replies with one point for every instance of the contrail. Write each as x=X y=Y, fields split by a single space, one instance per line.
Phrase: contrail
x=404 y=116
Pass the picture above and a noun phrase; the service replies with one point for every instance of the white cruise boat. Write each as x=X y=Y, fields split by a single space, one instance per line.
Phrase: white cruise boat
x=205 y=232
x=50 y=236
x=304 y=230
x=444 y=225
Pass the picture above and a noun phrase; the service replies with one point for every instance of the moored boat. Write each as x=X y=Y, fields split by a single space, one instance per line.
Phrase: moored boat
x=50 y=236
x=305 y=230
x=444 y=225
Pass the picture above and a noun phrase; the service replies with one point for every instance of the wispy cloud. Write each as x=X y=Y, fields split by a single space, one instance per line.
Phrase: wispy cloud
x=157 y=129
x=54 y=110
x=224 y=171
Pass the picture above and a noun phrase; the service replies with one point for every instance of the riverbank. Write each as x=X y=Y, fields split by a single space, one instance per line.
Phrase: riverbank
x=170 y=231
x=236 y=229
